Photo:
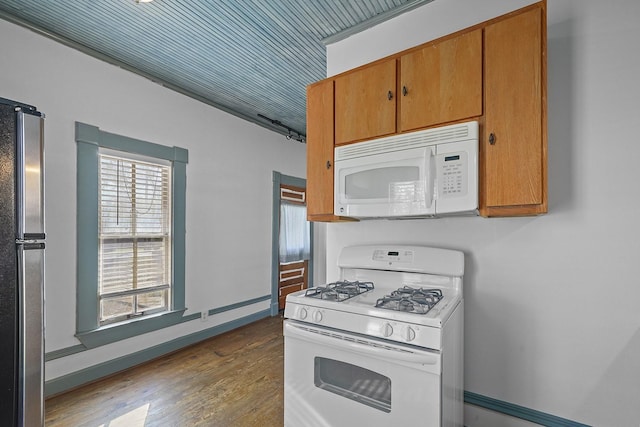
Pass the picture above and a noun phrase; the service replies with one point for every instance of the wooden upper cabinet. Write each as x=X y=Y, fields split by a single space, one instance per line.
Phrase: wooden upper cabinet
x=438 y=83
x=514 y=141
x=365 y=102
x=320 y=150
x=494 y=72
x=441 y=82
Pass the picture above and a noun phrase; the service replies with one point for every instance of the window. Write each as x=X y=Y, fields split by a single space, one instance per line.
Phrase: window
x=134 y=237
x=131 y=198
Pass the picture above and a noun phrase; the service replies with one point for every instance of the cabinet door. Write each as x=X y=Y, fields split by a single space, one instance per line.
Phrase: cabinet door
x=320 y=150
x=442 y=82
x=366 y=103
x=514 y=142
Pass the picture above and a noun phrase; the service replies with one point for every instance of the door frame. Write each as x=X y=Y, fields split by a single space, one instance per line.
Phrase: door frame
x=278 y=180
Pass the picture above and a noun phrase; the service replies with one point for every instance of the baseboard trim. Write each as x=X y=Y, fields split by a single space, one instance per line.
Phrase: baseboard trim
x=68 y=351
x=64 y=352
x=518 y=411
x=92 y=373
x=238 y=305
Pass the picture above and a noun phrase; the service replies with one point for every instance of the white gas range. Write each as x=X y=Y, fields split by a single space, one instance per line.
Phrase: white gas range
x=383 y=345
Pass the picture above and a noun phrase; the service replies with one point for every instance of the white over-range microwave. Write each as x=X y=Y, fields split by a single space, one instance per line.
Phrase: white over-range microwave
x=419 y=174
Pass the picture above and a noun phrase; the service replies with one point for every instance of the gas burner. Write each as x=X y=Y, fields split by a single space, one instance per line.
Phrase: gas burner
x=339 y=291
x=430 y=295
x=411 y=300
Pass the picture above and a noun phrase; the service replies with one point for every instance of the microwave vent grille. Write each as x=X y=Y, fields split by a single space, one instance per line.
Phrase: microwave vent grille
x=406 y=141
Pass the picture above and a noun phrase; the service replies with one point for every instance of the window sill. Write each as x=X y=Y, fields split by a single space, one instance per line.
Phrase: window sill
x=119 y=331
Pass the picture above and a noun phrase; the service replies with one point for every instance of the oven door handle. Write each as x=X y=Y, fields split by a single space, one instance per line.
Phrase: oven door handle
x=363 y=346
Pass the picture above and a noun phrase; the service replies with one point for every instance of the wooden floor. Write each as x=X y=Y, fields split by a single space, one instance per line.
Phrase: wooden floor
x=235 y=379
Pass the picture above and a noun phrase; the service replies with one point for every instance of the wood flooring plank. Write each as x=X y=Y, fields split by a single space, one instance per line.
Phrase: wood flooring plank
x=234 y=379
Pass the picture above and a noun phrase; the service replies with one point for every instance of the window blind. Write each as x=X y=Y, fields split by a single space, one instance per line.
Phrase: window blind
x=134 y=236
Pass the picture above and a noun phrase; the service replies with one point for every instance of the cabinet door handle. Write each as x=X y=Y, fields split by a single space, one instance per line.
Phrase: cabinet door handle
x=328 y=164
x=404 y=91
x=389 y=95
x=492 y=138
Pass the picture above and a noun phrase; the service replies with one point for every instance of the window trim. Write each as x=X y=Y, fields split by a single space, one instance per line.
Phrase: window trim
x=89 y=140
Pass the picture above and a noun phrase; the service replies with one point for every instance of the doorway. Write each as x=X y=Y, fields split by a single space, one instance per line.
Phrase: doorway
x=292 y=240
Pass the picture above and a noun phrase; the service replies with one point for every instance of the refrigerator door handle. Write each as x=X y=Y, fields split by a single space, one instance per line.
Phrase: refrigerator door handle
x=31 y=345
x=30 y=177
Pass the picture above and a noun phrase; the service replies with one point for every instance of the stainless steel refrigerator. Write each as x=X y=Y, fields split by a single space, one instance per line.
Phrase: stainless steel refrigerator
x=22 y=243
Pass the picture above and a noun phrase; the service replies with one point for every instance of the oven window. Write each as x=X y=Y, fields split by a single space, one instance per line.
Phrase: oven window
x=353 y=382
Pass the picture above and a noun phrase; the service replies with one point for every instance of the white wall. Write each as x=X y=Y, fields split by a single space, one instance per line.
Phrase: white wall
x=552 y=302
x=229 y=183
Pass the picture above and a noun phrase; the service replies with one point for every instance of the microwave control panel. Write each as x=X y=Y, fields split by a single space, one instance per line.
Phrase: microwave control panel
x=452 y=180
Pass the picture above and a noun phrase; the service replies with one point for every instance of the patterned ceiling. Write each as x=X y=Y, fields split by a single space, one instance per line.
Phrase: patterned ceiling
x=251 y=58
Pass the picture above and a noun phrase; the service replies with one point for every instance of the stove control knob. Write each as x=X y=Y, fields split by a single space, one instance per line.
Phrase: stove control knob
x=410 y=334
x=387 y=330
x=302 y=314
x=317 y=316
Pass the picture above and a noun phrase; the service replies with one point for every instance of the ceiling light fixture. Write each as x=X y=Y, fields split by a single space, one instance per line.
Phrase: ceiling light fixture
x=144 y=1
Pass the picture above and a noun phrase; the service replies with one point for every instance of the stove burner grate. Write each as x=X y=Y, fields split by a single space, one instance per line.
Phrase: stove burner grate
x=339 y=291
x=411 y=300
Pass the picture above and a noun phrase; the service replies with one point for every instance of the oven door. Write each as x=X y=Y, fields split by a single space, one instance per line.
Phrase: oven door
x=333 y=378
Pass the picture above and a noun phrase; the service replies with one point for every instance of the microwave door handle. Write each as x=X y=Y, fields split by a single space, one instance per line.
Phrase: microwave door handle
x=430 y=175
